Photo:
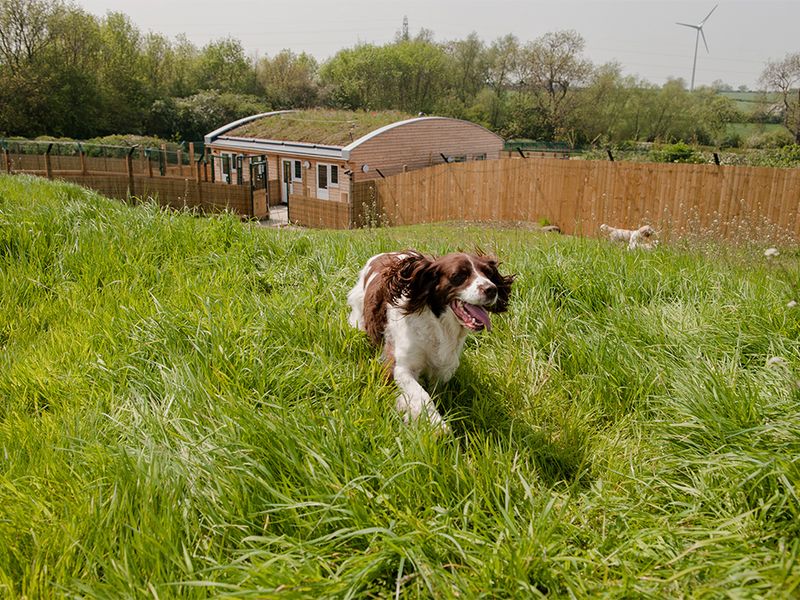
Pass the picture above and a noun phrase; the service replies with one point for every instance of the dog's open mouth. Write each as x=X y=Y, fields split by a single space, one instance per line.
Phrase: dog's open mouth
x=471 y=316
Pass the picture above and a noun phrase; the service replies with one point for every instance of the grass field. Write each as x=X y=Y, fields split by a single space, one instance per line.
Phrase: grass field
x=750 y=102
x=185 y=413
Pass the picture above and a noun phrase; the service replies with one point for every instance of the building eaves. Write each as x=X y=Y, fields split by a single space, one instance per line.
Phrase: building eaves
x=278 y=146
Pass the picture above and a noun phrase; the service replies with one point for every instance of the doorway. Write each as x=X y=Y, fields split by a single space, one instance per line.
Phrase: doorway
x=286 y=181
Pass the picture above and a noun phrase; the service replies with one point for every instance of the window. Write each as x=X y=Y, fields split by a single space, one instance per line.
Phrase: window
x=327 y=177
x=480 y=157
x=298 y=170
x=226 y=167
x=461 y=158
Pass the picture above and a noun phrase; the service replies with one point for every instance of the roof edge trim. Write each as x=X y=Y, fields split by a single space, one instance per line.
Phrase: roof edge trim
x=210 y=137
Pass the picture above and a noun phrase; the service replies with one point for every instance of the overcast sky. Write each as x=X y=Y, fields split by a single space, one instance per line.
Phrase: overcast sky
x=639 y=34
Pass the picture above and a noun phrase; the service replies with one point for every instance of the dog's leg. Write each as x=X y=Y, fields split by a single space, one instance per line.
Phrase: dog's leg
x=414 y=401
x=356 y=301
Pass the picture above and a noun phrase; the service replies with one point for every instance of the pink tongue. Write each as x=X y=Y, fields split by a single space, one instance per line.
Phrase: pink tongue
x=480 y=314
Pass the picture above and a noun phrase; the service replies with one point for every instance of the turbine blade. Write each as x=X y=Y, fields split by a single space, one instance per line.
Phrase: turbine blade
x=687 y=25
x=709 y=14
x=704 y=40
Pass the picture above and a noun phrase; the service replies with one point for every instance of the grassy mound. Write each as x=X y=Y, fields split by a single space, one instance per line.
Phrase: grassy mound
x=185 y=412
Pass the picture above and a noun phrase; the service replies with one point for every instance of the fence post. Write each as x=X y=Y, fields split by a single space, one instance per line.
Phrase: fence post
x=199 y=168
x=129 y=165
x=180 y=162
x=4 y=145
x=47 y=166
x=199 y=186
x=82 y=156
x=149 y=163
x=191 y=154
x=162 y=161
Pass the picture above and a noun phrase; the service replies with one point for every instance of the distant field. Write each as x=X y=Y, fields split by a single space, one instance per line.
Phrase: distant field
x=186 y=413
x=747 y=129
x=749 y=102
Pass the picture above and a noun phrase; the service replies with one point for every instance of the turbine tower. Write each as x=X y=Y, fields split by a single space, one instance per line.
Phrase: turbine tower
x=699 y=28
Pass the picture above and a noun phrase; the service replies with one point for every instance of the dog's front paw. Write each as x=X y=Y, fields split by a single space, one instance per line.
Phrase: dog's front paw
x=413 y=409
x=439 y=425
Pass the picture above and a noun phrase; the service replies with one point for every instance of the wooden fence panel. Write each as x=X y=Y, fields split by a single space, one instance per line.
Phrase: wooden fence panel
x=109 y=176
x=322 y=214
x=753 y=203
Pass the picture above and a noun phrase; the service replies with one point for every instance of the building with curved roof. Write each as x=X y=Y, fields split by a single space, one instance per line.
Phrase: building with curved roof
x=316 y=156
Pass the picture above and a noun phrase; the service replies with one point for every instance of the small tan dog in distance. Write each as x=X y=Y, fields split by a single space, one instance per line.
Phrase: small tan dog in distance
x=635 y=238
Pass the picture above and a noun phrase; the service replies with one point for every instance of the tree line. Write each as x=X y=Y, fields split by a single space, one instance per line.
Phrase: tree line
x=65 y=72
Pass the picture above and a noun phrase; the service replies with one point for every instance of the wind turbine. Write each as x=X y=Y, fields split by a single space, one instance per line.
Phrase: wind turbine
x=699 y=28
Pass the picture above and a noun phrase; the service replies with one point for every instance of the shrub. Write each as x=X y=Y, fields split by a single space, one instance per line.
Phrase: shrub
x=775 y=138
x=679 y=152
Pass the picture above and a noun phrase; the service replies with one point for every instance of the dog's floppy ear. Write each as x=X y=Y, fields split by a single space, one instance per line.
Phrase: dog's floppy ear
x=503 y=283
x=413 y=276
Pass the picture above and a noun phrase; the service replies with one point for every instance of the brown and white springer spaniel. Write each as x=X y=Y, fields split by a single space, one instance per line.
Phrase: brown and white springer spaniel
x=419 y=310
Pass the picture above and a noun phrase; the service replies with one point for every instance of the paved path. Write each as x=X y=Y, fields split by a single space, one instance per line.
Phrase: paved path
x=278 y=217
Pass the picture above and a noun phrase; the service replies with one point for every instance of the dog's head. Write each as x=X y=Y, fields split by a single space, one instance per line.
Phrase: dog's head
x=469 y=285
x=646 y=231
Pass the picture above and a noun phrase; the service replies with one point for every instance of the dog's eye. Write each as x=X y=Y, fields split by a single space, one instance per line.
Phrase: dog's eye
x=460 y=276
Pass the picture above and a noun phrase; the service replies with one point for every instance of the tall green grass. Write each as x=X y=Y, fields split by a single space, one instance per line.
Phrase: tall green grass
x=185 y=413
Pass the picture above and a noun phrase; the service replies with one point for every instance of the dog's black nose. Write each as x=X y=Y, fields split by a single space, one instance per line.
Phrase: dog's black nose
x=490 y=291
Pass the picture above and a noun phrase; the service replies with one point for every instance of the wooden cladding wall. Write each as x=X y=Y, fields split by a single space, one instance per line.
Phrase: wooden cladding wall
x=748 y=203
x=422 y=143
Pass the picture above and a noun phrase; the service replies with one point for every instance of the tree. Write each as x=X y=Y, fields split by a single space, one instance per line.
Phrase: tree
x=605 y=103
x=408 y=75
x=288 y=80
x=351 y=77
x=74 y=83
x=25 y=35
x=415 y=73
x=502 y=58
x=192 y=117
x=551 y=69
x=125 y=93
x=24 y=31
x=784 y=76
x=222 y=65
x=469 y=65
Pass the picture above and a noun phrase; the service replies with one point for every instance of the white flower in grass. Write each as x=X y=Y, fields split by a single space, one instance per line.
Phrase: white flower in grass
x=791 y=304
x=771 y=252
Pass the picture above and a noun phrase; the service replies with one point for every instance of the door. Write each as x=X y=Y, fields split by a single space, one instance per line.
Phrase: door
x=322 y=182
x=286 y=181
x=258 y=186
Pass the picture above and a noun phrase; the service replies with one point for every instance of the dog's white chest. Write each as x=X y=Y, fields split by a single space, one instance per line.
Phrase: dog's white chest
x=431 y=345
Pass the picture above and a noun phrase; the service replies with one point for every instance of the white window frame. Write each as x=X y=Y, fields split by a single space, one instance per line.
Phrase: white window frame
x=227 y=177
x=297 y=167
x=324 y=193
